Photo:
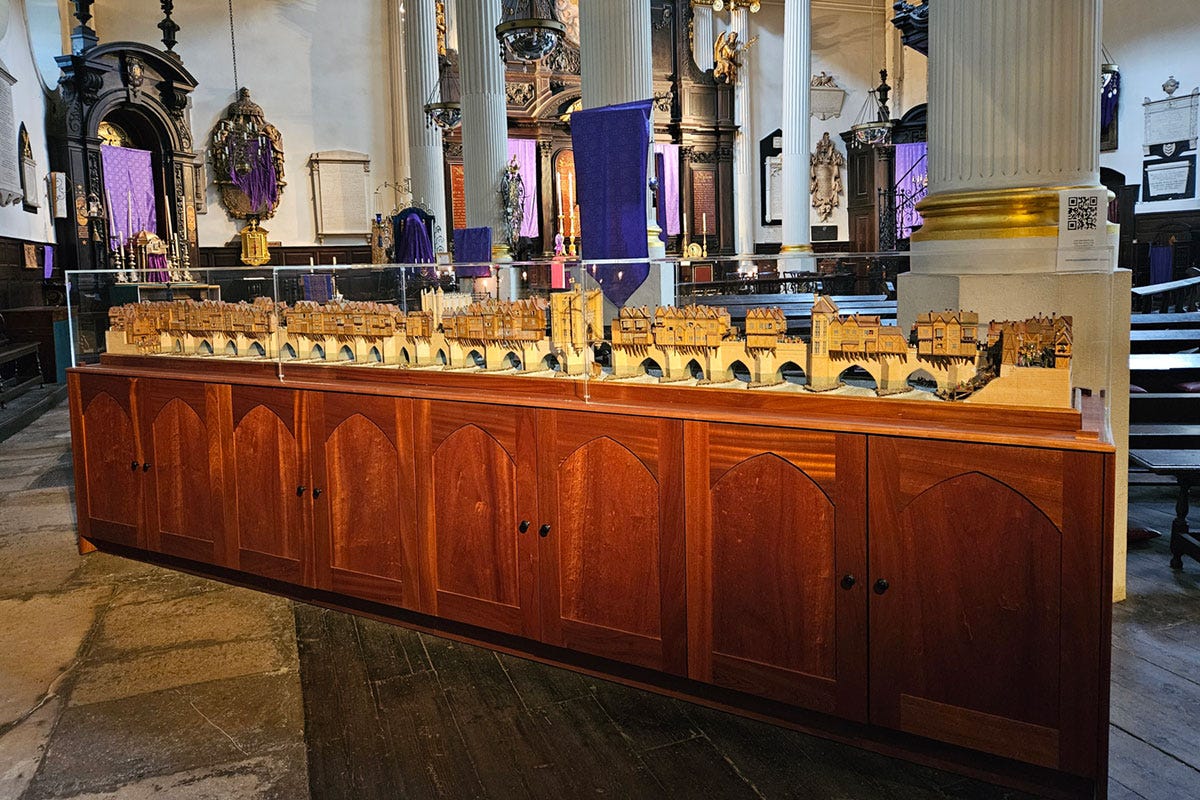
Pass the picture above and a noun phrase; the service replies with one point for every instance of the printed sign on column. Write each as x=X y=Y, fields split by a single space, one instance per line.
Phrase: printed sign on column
x=1083 y=230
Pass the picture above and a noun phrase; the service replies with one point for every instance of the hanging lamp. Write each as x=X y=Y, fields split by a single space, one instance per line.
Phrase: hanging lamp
x=443 y=107
x=529 y=29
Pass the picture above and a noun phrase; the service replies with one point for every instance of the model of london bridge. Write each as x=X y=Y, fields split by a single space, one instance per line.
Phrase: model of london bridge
x=1019 y=362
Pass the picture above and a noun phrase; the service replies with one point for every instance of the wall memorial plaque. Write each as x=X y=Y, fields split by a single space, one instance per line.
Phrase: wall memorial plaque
x=341 y=188
x=1169 y=179
x=1171 y=120
x=10 y=175
x=458 y=196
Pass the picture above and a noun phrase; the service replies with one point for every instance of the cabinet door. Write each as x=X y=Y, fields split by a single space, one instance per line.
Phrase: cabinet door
x=777 y=590
x=478 y=487
x=988 y=633
x=363 y=497
x=182 y=462
x=108 y=475
x=612 y=564
x=268 y=485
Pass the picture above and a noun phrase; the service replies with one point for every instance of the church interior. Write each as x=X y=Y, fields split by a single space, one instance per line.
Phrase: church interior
x=563 y=398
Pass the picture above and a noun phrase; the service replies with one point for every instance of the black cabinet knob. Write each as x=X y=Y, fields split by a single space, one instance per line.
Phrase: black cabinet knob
x=146 y=467
x=134 y=466
x=881 y=586
x=848 y=581
x=300 y=490
x=544 y=531
x=316 y=492
x=524 y=526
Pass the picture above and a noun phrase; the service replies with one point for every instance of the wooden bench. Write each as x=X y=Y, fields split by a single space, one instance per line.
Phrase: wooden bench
x=1158 y=340
x=1165 y=319
x=20 y=370
x=1180 y=295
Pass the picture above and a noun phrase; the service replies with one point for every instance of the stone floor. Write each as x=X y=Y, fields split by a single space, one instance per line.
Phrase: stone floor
x=122 y=680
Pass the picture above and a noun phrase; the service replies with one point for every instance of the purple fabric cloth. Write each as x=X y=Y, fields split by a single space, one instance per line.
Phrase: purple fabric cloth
x=413 y=245
x=1110 y=96
x=48 y=261
x=471 y=246
x=525 y=151
x=912 y=183
x=156 y=268
x=129 y=184
x=258 y=184
x=668 y=187
x=611 y=146
x=1162 y=263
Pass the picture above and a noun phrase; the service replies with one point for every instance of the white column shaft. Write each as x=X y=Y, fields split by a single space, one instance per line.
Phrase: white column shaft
x=702 y=36
x=1012 y=94
x=614 y=52
x=797 y=71
x=424 y=138
x=743 y=158
x=484 y=119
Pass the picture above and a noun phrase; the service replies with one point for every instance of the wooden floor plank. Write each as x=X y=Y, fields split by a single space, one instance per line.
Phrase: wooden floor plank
x=693 y=768
x=1149 y=772
x=539 y=684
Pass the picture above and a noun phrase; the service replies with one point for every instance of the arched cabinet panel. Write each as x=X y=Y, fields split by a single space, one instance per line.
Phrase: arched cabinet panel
x=983 y=634
x=267 y=477
x=108 y=460
x=183 y=469
x=363 y=497
x=481 y=486
x=777 y=561
x=612 y=561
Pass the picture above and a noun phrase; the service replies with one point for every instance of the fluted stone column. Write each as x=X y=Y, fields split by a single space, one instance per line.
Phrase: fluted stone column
x=702 y=36
x=743 y=151
x=797 y=71
x=424 y=139
x=1014 y=119
x=616 y=67
x=484 y=119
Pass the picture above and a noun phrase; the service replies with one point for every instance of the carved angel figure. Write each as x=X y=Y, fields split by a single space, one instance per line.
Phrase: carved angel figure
x=825 y=166
x=725 y=57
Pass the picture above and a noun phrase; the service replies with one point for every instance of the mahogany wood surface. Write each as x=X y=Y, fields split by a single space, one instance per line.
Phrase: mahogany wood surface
x=110 y=506
x=482 y=484
x=364 y=497
x=270 y=487
x=612 y=561
x=776 y=524
x=986 y=632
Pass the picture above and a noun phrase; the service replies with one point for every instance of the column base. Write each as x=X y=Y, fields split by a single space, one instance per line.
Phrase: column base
x=1097 y=302
x=1015 y=213
x=795 y=249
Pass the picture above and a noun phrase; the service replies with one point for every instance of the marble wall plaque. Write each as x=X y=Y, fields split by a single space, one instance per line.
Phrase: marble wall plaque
x=341 y=187
x=1171 y=120
x=10 y=176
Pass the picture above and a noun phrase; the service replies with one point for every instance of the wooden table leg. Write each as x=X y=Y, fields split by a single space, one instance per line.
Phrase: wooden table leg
x=1180 y=544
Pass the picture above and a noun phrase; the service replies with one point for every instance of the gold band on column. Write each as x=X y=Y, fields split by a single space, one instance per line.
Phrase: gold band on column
x=795 y=249
x=991 y=214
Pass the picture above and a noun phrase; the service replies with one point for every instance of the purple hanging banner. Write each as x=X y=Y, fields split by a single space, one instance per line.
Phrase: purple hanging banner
x=129 y=186
x=525 y=151
x=611 y=147
x=668 y=187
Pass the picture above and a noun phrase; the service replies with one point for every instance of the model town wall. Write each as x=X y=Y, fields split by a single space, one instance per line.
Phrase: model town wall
x=678 y=343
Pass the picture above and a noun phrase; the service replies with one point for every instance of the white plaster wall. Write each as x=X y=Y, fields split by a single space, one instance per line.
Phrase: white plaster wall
x=1150 y=40
x=29 y=106
x=318 y=68
x=848 y=42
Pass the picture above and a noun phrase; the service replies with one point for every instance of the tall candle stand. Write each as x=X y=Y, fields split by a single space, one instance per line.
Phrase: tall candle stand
x=118 y=258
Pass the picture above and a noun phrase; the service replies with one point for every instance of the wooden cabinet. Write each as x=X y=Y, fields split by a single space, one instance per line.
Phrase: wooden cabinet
x=777 y=572
x=183 y=481
x=924 y=577
x=108 y=460
x=985 y=583
x=364 y=497
x=267 y=487
x=612 y=561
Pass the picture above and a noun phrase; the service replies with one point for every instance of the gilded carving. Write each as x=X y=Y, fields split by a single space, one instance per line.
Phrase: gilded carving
x=826 y=177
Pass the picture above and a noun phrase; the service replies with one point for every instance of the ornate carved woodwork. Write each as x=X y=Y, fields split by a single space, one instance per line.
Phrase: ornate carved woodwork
x=144 y=93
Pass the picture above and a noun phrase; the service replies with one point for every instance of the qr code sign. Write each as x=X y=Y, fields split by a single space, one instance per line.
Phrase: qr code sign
x=1082 y=212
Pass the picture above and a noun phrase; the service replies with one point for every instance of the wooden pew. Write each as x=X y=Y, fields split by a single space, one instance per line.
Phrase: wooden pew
x=1180 y=295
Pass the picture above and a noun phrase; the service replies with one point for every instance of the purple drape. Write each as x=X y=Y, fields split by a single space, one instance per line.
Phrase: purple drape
x=413 y=245
x=258 y=183
x=611 y=146
x=525 y=151
x=912 y=183
x=1110 y=95
x=129 y=184
x=1162 y=263
x=668 y=187
x=473 y=245
x=156 y=268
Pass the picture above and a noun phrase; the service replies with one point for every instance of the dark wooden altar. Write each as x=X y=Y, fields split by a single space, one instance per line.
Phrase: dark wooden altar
x=142 y=91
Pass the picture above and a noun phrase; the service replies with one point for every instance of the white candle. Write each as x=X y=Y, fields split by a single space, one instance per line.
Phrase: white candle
x=335 y=261
x=685 y=227
x=310 y=261
x=129 y=213
x=571 y=184
x=705 y=223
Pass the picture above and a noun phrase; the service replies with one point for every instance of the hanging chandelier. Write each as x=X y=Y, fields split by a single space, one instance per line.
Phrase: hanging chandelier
x=752 y=6
x=444 y=108
x=529 y=29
